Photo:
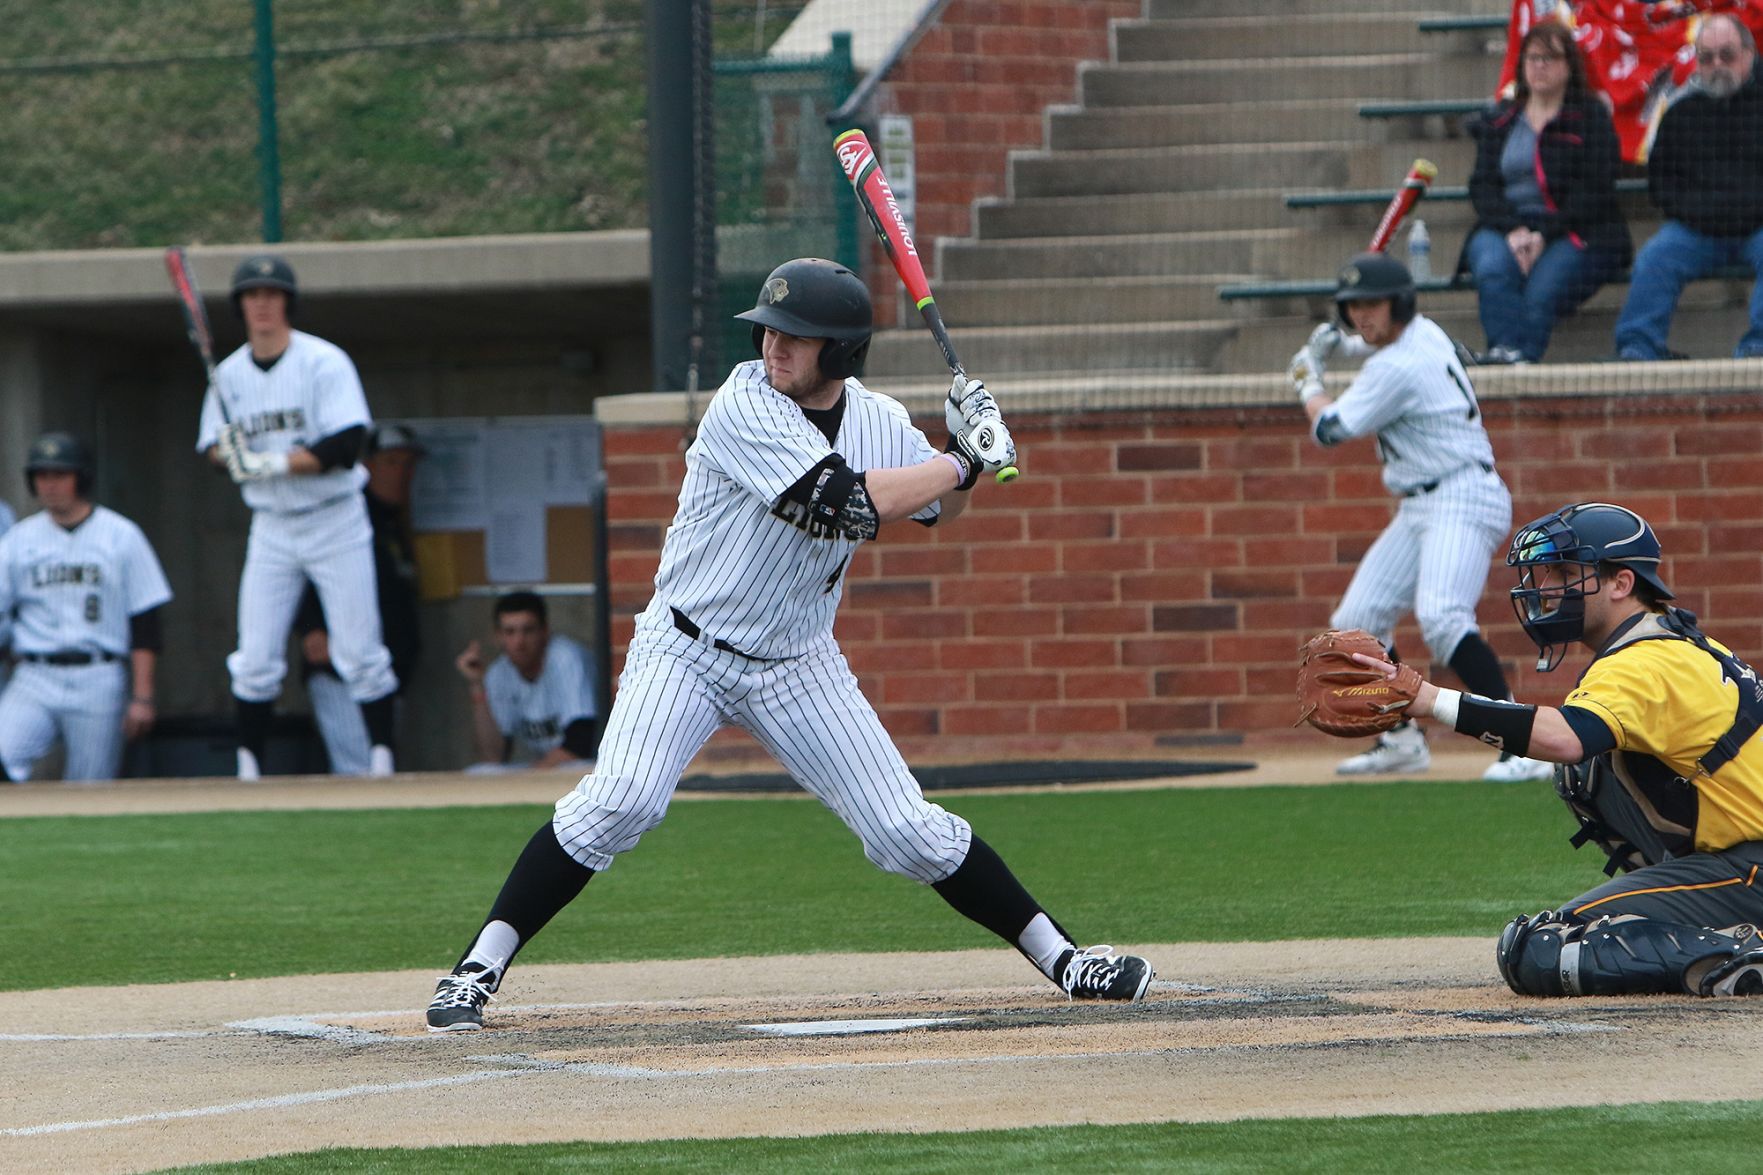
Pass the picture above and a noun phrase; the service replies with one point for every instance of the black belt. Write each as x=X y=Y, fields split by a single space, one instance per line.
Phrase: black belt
x=684 y=623
x=69 y=658
x=1430 y=486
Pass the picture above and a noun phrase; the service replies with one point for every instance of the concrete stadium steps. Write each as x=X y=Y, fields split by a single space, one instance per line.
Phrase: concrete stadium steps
x=1186 y=9
x=1707 y=326
x=1129 y=171
x=997 y=352
x=1145 y=212
x=1371 y=76
x=1083 y=301
x=1297 y=35
x=1277 y=253
x=1074 y=128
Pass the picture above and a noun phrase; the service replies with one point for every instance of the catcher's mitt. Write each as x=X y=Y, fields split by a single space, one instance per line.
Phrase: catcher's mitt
x=1339 y=696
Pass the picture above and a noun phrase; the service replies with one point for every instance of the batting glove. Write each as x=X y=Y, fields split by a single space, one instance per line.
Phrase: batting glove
x=969 y=402
x=1325 y=340
x=245 y=465
x=987 y=442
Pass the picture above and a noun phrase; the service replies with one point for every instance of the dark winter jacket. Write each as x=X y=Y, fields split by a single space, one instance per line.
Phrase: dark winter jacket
x=1576 y=158
x=1706 y=166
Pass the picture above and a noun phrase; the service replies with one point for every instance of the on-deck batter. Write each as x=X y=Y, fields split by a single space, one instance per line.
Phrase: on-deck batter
x=83 y=589
x=298 y=419
x=795 y=464
x=1454 y=511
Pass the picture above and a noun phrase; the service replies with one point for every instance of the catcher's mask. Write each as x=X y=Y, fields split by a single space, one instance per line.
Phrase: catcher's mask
x=1557 y=558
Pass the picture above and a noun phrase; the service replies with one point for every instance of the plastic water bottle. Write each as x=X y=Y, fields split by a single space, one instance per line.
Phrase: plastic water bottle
x=1419 y=251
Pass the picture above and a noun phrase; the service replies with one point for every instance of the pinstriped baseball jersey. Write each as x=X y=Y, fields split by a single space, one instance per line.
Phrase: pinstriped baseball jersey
x=1416 y=396
x=745 y=568
x=311 y=392
x=75 y=590
x=536 y=713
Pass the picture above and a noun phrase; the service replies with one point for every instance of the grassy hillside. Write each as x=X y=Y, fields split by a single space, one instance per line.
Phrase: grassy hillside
x=473 y=137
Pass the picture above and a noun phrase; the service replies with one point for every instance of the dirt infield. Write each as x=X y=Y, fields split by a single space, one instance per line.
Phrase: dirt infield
x=135 y=1078
x=139 y=1078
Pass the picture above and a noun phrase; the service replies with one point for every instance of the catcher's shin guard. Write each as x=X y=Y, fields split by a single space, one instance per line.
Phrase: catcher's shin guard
x=1552 y=954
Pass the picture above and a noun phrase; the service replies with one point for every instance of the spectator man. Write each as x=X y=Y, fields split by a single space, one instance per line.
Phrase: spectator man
x=533 y=707
x=1706 y=174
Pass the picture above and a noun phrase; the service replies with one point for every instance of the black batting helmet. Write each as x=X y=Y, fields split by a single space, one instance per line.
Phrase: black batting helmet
x=1371 y=277
x=265 y=271
x=816 y=299
x=1576 y=538
x=60 y=452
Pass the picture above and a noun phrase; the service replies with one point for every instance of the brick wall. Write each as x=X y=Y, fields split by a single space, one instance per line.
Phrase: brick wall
x=1147 y=581
x=976 y=83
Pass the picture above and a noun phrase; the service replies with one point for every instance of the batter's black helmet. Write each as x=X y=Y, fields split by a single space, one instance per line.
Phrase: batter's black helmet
x=815 y=299
x=265 y=271
x=1371 y=277
x=60 y=452
x=1576 y=539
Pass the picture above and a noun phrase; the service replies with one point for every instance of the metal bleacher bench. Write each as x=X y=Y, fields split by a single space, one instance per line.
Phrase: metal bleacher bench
x=1323 y=287
x=1458 y=24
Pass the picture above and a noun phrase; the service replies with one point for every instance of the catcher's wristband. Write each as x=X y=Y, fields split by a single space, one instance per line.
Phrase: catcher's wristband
x=1506 y=725
x=1444 y=706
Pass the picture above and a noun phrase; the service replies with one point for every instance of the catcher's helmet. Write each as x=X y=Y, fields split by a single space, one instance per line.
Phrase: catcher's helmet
x=265 y=271
x=60 y=452
x=1576 y=538
x=1370 y=277
x=815 y=299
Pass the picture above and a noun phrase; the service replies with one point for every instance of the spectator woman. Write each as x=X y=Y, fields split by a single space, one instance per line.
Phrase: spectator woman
x=1548 y=231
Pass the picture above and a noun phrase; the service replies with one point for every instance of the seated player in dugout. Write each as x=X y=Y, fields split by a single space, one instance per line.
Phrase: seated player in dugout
x=533 y=707
x=1660 y=765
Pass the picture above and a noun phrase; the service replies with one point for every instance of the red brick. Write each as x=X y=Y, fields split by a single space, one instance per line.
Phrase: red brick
x=1256 y=714
x=1729 y=437
x=982 y=655
x=1160 y=587
x=1286 y=487
x=1074 y=588
x=853 y=626
x=635 y=536
x=1216 y=486
x=924 y=561
x=1198 y=552
x=881 y=656
x=1069 y=716
x=1117 y=555
x=1213 y=682
x=1162 y=456
x=1629 y=445
x=1092 y=458
x=1015 y=622
x=982 y=720
x=1070 y=524
x=1249 y=648
x=1232 y=585
x=1016 y=687
x=1158 y=522
x=1357 y=483
x=1566 y=480
x=1163 y=650
x=1353 y=517
x=1065 y=652
x=1171 y=716
x=982 y=591
x=1112 y=685
x=905 y=721
x=1260 y=453
x=1732 y=472
x=633 y=472
x=1194 y=618
x=921 y=624
x=1103 y=491
x=890 y=594
x=1124 y=619
x=640 y=441
x=1251 y=521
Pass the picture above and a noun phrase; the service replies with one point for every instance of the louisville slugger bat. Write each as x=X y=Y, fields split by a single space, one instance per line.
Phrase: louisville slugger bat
x=1414 y=186
x=183 y=282
x=864 y=171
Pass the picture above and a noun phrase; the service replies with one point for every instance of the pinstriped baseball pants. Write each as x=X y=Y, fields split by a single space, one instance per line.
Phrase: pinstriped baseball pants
x=1432 y=560
x=675 y=692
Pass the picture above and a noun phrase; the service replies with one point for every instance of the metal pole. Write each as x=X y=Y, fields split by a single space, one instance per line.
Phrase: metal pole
x=269 y=159
x=674 y=183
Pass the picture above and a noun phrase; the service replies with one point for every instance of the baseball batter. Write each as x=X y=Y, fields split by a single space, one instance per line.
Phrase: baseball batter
x=796 y=463
x=1453 y=510
x=287 y=418
x=534 y=705
x=1662 y=769
x=84 y=589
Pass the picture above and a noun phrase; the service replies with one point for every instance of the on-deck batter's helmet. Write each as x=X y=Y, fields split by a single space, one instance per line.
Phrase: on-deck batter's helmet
x=393 y=436
x=60 y=452
x=816 y=299
x=1576 y=539
x=265 y=271
x=1371 y=277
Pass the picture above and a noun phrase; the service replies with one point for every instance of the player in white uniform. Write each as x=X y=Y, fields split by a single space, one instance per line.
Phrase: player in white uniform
x=294 y=422
x=1454 y=511
x=534 y=706
x=83 y=589
x=794 y=465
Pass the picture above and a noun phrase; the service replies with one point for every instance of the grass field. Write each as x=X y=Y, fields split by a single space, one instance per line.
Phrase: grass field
x=131 y=899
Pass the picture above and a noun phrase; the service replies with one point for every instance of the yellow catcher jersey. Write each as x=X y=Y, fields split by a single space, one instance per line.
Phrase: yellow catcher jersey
x=1667 y=699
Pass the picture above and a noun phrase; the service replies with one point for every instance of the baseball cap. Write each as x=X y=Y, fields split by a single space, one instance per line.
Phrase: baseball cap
x=394 y=436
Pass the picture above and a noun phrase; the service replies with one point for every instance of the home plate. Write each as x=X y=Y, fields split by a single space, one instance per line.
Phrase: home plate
x=849 y=1027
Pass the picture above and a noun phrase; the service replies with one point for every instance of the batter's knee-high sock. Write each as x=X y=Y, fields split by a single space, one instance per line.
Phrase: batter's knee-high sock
x=543 y=881
x=1473 y=660
x=984 y=890
x=254 y=721
x=380 y=718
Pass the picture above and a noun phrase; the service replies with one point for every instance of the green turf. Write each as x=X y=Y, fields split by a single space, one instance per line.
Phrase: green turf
x=1680 y=1136
x=126 y=899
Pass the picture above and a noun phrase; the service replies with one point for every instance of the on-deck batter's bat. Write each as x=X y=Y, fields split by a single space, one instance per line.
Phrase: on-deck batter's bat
x=858 y=159
x=177 y=264
x=1414 y=186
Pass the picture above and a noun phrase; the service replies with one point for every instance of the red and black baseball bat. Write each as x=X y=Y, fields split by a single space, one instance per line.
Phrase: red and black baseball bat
x=183 y=282
x=1414 y=186
x=858 y=159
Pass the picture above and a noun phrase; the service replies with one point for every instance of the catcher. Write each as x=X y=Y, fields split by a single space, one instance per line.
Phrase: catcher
x=1660 y=763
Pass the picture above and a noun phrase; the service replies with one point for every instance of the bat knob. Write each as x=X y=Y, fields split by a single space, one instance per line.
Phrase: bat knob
x=1007 y=475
